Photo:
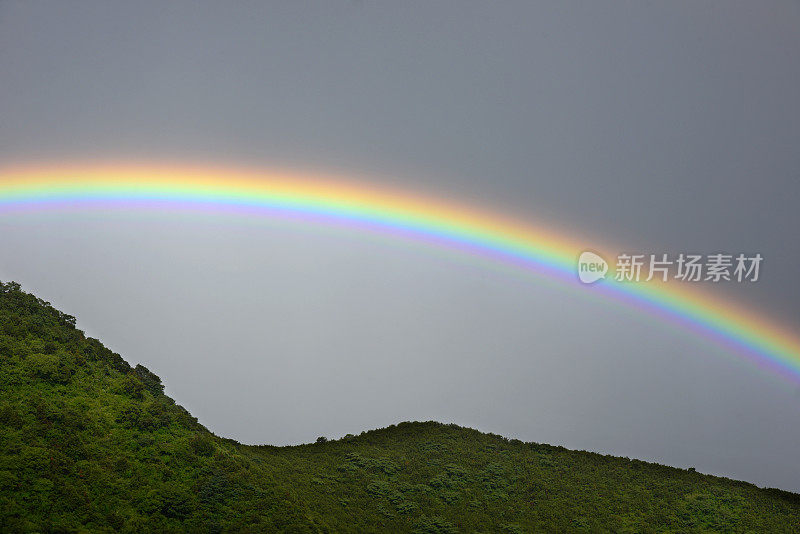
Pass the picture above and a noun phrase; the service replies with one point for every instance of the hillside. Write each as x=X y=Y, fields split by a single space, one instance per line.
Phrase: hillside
x=88 y=442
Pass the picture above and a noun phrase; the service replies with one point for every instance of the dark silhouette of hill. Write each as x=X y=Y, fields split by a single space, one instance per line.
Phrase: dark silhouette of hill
x=89 y=443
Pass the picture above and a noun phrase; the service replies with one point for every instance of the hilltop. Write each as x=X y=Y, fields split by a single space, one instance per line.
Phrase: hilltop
x=88 y=442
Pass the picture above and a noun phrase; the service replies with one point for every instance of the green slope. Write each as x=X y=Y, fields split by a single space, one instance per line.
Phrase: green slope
x=88 y=443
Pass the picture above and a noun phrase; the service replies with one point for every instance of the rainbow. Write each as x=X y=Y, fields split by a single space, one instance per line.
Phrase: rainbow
x=335 y=200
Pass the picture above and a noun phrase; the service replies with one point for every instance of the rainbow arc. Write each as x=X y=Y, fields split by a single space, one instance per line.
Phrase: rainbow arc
x=333 y=200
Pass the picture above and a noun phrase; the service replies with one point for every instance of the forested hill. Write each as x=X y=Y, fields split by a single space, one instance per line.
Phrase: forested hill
x=88 y=442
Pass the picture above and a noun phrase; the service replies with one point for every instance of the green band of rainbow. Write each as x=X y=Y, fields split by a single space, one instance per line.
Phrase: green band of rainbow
x=336 y=201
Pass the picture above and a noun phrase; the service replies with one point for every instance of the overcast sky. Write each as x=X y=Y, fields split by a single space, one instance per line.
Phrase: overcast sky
x=666 y=127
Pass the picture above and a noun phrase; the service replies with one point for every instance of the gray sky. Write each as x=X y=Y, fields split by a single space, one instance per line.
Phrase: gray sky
x=667 y=127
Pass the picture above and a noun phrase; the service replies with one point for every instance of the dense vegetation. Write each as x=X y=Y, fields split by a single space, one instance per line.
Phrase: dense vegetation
x=88 y=442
